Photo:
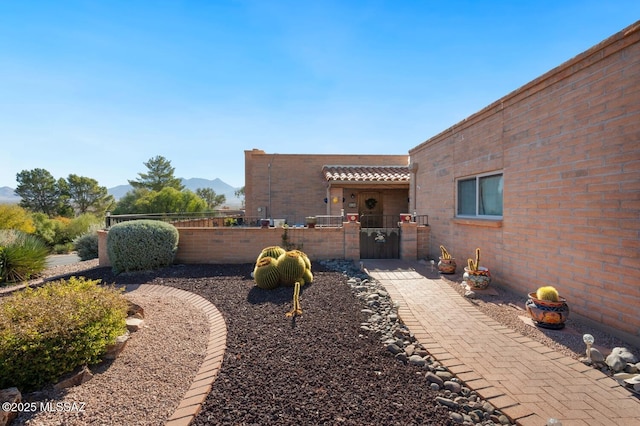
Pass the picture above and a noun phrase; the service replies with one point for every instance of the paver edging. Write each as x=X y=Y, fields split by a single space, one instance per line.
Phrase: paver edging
x=523 y=414
x=192 y=400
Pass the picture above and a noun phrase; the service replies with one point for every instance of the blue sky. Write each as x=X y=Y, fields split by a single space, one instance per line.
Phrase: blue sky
x=97 y=88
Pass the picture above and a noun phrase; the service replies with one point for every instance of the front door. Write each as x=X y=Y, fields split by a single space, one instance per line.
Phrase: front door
x=370 y=209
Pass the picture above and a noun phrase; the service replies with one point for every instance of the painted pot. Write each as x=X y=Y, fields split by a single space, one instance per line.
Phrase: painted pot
x=547 y=314
x=447 y=266
x=311 y=221
x=477 y=280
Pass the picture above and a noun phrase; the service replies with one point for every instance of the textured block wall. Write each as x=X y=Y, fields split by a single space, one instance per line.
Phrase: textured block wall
x=569 y=146
x=293 y=184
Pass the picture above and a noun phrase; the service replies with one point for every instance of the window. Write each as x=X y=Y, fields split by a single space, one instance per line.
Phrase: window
x=480 y=196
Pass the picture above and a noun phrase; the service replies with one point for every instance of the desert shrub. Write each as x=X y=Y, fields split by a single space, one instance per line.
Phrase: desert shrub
x=61 y=226
x=140 y=245
x=62 y=248
x=59 y=232
x=82 y=224
x=45 y=228
x=47 y=332
x=23 y=256
x=12 y=216
x=1 y=262
x=86 y=245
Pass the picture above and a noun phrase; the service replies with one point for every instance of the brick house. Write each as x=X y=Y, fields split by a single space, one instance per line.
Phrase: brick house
x=546 y=181
x=294 y=186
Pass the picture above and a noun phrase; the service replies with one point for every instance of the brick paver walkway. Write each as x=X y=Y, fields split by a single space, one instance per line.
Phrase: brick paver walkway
x=526 y=380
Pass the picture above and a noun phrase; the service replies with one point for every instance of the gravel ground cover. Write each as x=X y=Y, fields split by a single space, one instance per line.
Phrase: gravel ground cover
x=145 y=384
x=320 y=368
x=317 y=368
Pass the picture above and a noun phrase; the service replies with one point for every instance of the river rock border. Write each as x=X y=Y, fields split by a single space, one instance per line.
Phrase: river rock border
x=464 y=404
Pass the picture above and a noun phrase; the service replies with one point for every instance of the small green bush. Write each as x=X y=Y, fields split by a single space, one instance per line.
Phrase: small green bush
x=45 y=228
x=86 y=245
x=23 y=256
x=140 y=245
x=62 y=248
x=48 y=332
x=81 y=225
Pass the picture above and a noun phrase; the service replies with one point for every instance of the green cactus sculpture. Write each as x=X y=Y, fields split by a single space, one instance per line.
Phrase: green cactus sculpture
x=473 y=266
x=291 y=265
x=297 y=309
x=307 y=262
x=548 y=293
x=445 y=253
x=307 y=276
x=272 y=251
x=266 y=273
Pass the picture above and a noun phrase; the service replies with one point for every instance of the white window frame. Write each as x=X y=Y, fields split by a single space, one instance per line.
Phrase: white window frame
x=477 y=179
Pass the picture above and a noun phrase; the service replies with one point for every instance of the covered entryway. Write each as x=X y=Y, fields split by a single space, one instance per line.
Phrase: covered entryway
x=378 y=195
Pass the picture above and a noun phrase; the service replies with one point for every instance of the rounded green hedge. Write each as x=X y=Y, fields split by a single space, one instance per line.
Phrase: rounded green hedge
x=48 y=332
x=140 y=245
x=86 y=245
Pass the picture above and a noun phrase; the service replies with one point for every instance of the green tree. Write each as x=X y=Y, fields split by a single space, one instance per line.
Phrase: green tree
x=168 y=200
x=40 y=192
x=159 y=176
x=212 y=199
x=240 y=194
x=86 y=196
x=127 y=204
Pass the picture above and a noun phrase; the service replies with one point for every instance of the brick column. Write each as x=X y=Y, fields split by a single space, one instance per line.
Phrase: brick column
x=351 y=240
x=103 y=256
x=408 y=240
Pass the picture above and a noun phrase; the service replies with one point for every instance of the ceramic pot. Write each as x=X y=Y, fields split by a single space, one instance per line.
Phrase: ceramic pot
x=311 y=221
x=547 y=314
x=447 y=266
x=477 y=280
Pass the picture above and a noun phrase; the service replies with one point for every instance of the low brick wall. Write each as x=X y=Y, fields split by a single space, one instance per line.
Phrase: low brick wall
x=242 y=245
x=220 y=245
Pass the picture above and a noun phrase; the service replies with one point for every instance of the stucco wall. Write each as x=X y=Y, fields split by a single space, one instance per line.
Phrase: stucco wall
x=569 y=147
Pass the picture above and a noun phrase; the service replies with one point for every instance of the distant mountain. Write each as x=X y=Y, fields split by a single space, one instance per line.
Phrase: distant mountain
x=7 y=194
x=119 y=191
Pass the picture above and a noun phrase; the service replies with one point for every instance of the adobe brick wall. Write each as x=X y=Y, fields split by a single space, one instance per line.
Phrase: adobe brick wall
x=243 y=245
x=569 y=146
x=293 y=184
x=220 y=245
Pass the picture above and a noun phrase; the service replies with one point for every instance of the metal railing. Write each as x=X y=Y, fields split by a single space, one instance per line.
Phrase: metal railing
x=325 y=220
x=199 y=219
x=238 y=218
x=422 y=220
x=389 y=221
